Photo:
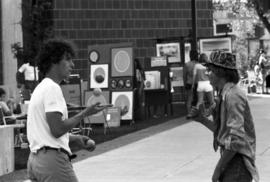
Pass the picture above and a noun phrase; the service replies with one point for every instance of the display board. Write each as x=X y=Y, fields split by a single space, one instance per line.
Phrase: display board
x=124 y=100
x=152 y=80
x=91 y=99
x=99 y=76
x=72 y=93
x=122 y=61
x=170 y=50
x=207 y=45
x=113 y=116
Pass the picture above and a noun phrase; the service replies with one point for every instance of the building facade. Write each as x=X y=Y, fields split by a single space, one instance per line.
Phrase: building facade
x=142 y=22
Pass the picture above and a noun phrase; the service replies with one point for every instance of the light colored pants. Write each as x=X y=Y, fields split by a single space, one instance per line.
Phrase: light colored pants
x=50 y=166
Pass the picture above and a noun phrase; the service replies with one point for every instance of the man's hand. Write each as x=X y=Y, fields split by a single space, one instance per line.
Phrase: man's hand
x=81 y=142
x=93 y=109
x=86 y=143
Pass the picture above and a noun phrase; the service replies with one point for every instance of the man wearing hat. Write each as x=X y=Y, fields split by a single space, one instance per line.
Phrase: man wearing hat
x=233 y=127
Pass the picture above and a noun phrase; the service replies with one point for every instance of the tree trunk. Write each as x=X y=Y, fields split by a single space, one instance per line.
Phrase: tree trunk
x=261 y=15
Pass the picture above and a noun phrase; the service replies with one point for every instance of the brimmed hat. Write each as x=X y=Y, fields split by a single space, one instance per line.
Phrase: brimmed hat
x=223 y=59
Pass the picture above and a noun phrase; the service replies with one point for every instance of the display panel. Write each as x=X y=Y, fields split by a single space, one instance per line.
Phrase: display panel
x=212 y=44
x=99 y=76
x=170 y=50
x=122 y=61
x=91 y=98
x=124 y=100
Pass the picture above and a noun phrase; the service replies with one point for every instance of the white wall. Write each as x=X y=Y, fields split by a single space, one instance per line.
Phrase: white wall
x=11 y=33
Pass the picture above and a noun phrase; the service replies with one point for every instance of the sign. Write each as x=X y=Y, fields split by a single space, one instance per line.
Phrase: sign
x=177 y=76
x=113 y=116
x=158 y=61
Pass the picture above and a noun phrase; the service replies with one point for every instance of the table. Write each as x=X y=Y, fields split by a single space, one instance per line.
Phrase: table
x=157 y=97
x=7 y=161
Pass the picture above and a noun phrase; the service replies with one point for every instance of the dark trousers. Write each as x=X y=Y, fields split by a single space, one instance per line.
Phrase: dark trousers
x=236 y=171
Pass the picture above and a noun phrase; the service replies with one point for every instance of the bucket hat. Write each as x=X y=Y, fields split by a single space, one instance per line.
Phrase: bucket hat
x=223 y=59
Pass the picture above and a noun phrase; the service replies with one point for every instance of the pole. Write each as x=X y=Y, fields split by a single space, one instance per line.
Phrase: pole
x=194 y=25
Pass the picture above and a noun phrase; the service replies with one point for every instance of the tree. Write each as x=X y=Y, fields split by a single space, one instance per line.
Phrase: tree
x=264 y=17
x=36 y=27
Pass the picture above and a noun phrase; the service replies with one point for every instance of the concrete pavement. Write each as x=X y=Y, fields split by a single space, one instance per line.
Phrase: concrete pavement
x=172 y=151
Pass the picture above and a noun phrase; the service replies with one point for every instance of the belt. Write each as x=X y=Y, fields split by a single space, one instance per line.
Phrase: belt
x=45 y=148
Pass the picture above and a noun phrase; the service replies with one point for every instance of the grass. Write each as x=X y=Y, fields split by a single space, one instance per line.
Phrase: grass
x=21 y=155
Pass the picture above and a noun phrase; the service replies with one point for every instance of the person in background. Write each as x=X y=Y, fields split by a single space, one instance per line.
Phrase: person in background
x=188 y=80
x=267 y=80
x=262 y=64
x=3 y=104
x=204 y=88
x=30 y=73
x=13 y=106
x=139 y=79
x=48 y=124
x=232 y=125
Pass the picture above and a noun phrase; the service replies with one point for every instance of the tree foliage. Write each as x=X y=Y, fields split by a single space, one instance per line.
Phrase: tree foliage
x=36 y=26
x=244 y=16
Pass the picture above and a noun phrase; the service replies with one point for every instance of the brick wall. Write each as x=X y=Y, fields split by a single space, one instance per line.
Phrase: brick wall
x=89 y=22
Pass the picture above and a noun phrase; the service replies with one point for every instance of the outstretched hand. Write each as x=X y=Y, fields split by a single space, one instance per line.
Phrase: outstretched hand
x=93 y=109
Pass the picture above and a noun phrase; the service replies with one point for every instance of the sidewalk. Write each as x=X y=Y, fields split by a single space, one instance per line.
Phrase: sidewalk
x=172 y=151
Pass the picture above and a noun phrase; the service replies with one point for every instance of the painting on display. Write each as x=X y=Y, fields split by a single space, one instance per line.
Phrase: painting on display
x=216 y=43
x=122 y=61
x=177 y=76
x=170 y=50
x=124 y=100
x=99 y=76
x=91 y=98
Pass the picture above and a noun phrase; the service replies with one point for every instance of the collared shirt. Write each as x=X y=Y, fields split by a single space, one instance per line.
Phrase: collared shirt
x=236 y=130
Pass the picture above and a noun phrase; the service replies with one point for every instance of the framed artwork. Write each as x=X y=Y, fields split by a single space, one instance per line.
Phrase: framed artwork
x=89 y=99
x=158 y=61
x=208 y=45
x=99 y=76
x=124 y=100
x=72 y=93
x=169 y=50
x=177 y=76
x=122 y=61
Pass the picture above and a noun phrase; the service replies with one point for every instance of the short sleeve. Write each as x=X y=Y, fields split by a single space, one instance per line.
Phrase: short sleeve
x=54 y=100
x=22 y=68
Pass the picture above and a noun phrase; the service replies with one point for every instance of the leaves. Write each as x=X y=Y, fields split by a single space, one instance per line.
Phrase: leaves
x=37 y=26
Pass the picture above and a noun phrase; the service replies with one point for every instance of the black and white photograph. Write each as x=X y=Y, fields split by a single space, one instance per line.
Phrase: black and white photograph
x=134 y=90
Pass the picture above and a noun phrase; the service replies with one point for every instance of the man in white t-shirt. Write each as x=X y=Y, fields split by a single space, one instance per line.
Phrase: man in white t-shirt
x=48 y=124
x=30 y=75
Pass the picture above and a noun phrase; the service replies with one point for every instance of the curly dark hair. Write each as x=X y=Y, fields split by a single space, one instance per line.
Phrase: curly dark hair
x=51 y=52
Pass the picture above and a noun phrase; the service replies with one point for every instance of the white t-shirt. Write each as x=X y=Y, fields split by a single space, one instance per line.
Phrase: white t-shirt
x=29 y=73
x=47 y=97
